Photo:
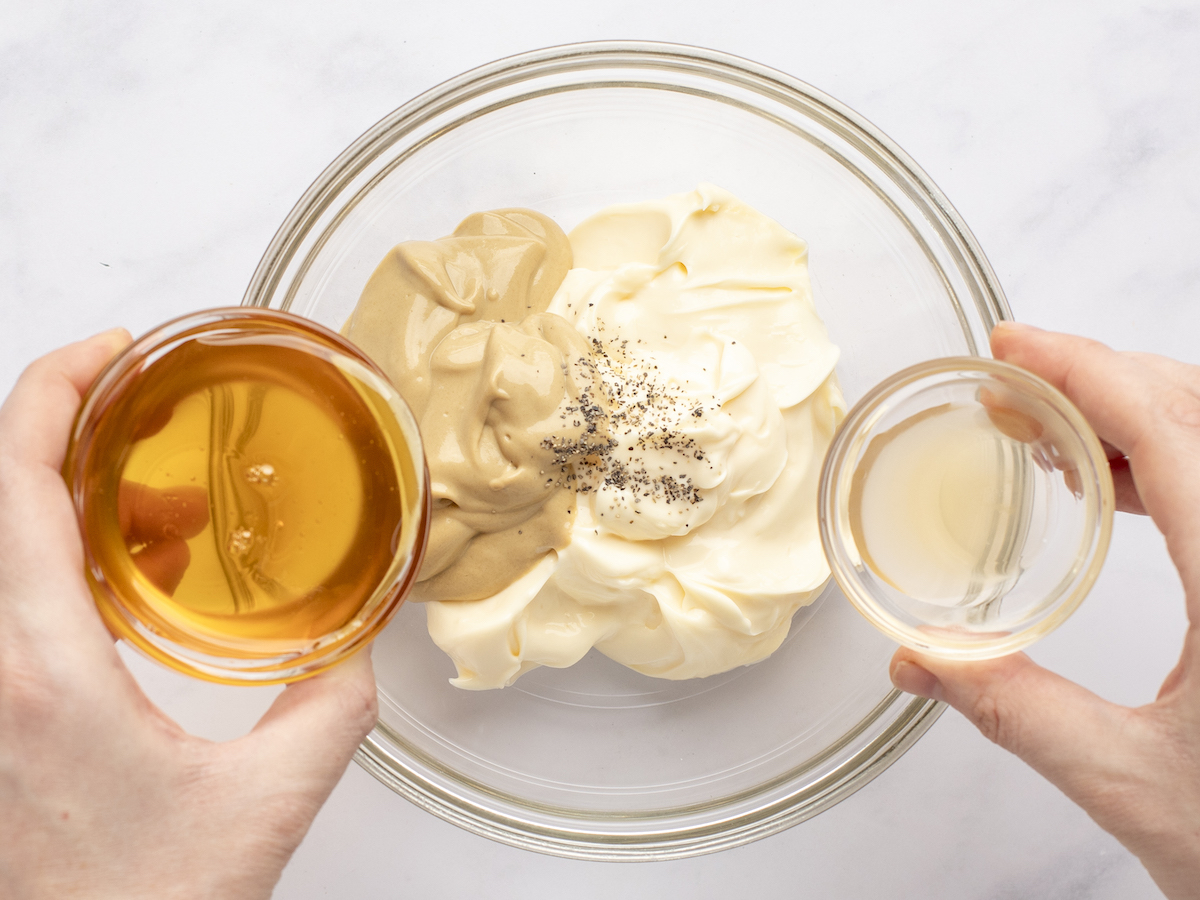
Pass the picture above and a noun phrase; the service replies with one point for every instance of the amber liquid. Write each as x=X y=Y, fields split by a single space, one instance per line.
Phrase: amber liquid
x=249 y=497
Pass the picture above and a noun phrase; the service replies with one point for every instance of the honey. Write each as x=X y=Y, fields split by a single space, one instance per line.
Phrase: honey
x=247 y=497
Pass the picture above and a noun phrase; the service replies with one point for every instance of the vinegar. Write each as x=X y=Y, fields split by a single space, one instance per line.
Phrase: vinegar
x=940 y=507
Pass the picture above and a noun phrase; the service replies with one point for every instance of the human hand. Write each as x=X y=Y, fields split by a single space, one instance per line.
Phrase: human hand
x=101 y=795
x=1136 y=772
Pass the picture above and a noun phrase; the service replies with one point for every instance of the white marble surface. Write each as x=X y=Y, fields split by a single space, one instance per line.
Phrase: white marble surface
x=148 y=151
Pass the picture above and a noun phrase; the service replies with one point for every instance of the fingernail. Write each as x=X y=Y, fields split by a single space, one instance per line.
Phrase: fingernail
x=115 y=337
x=912 y=679
x=1014 y=327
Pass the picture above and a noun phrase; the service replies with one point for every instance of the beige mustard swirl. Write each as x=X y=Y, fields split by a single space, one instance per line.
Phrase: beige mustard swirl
x=458 y=324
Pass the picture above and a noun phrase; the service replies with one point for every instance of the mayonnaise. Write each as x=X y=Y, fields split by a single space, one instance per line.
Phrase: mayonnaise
x=695 y=538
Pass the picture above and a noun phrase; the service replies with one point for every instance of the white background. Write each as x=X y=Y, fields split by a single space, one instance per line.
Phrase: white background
x=149 y=151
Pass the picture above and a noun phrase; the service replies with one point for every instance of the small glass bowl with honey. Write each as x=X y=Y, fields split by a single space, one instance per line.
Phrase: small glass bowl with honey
x=252 y=496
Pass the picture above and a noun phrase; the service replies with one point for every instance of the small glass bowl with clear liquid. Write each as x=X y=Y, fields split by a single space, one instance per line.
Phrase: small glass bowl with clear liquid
x=252 y=496
x=965 y=507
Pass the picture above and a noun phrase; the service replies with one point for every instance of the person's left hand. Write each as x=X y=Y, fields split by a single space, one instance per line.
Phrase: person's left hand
x=102 y=795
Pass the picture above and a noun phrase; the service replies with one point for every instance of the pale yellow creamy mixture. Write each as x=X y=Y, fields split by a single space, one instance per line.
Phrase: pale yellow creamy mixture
x=624 y=431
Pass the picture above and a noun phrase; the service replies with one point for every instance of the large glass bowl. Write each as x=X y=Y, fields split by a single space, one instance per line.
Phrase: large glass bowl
x=597 y=761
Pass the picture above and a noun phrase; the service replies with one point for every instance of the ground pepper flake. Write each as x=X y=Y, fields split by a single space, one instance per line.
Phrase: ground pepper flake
x=629 y=406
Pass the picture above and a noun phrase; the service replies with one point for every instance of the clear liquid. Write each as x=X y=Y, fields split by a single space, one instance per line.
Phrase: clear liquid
x=940 y=508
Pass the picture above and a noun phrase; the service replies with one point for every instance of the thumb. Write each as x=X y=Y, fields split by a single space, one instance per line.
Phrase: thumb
x=306 y=739
x=1073 y=738
x=35 y=420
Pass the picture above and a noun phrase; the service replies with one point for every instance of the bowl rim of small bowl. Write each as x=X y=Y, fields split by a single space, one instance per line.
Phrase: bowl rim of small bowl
x=285 y=259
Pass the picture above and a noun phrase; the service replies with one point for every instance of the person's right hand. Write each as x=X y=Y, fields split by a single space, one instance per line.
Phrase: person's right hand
x=1135 y=771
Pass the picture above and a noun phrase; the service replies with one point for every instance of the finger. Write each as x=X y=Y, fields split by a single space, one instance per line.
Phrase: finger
x=149 y=514
x=1021 y=425
x=42 y=586
x=1075 y=739
x=164 y=563
x=1120 y=397
x=1185 y=375
x=1013 y=422
x=36 y=419
x=1150 y=418
x=153 y=422
x=306 y=739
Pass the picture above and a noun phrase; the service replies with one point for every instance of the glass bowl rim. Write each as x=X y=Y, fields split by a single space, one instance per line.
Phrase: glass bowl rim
x=918 y=714
x=655 y=55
